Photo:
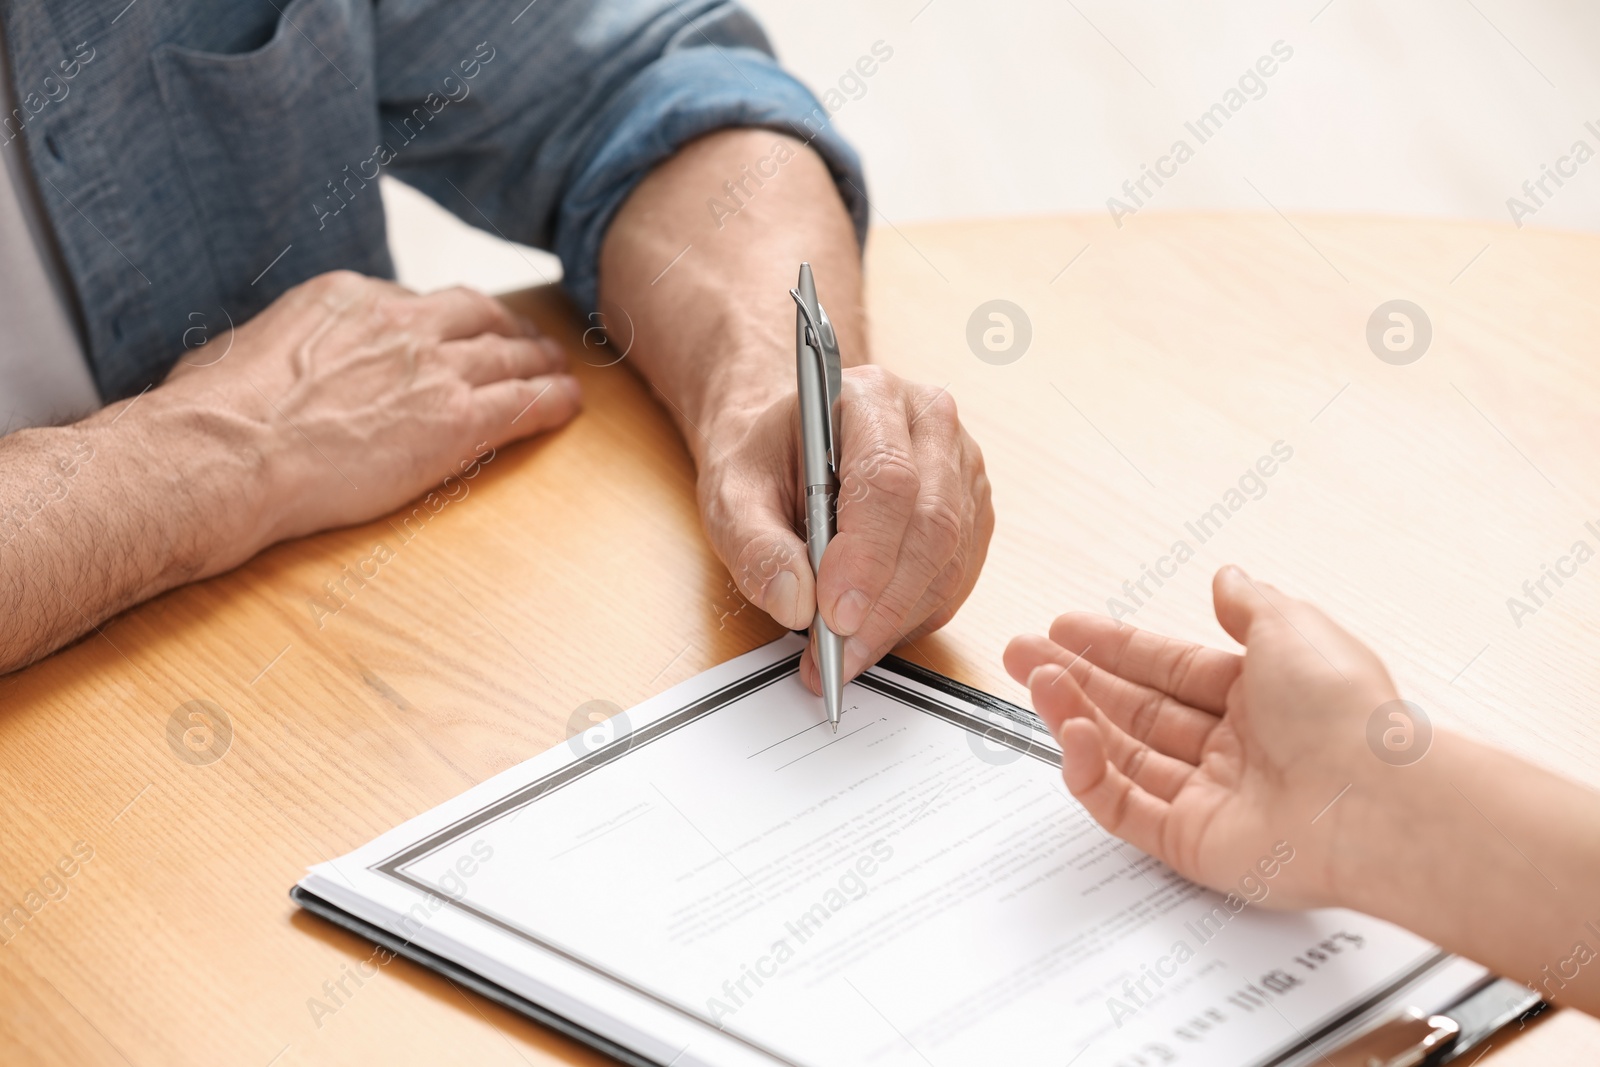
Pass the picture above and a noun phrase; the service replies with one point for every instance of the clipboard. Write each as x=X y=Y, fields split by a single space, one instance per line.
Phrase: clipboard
x=1409 y=1038
x=461 y=976
x=1405 y=1037
x=1412 y=1038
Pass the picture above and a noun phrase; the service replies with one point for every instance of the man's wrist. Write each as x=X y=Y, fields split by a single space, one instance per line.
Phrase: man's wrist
x=744 y=378
x=209 y=464
x=716 y=331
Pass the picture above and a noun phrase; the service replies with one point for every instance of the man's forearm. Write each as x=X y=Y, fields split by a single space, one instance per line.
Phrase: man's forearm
x=697 y=265
x=105 y=513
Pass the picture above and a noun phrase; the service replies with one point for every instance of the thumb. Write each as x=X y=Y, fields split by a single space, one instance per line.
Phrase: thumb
x=770 y=566
x=1239 y=602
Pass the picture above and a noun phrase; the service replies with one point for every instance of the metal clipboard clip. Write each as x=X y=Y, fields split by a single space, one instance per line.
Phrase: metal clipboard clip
x=1414 y=1038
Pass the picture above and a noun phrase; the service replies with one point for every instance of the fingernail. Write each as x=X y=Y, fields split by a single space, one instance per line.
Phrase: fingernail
x=782 y=599
x=850 y=611
x=857 y=657
x=1060 y=734
x=1046 y=675
x=812 y=678
x=574 y=390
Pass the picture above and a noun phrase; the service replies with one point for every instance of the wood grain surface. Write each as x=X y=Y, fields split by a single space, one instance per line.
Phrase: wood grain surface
x=1165 y=359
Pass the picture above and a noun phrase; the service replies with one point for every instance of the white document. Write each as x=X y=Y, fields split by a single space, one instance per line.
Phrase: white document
x=720 y=880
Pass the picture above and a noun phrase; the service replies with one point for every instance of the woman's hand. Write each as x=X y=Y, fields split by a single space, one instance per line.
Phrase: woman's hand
x=1208 y=759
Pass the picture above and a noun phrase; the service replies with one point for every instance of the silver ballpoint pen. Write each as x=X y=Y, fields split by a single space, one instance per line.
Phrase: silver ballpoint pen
x=817 y=366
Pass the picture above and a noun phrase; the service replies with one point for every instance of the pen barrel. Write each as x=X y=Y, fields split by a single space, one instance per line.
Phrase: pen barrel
x=830 y=665
x=828 y=645
x=816 y=467
x=820 y=520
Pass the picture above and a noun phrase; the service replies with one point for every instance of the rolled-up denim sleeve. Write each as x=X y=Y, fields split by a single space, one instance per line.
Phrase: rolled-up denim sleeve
x=571 y=103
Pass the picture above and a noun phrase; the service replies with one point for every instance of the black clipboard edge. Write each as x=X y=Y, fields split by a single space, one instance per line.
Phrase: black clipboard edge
x=950 y=687
x=458 y=974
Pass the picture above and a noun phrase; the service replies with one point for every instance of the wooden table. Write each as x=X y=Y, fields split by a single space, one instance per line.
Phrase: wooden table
x=1165 y=358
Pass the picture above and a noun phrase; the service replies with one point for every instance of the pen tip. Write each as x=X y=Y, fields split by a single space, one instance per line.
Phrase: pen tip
x=835 y=726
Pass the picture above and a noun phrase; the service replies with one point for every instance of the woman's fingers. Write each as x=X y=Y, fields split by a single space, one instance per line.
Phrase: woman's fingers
x=1110 y=797
x=1196 y=675
x=1060 y=701
x=1147 y=715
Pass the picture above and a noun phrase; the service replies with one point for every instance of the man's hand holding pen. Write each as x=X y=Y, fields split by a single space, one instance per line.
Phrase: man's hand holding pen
x=715 y=332
x=914 y=517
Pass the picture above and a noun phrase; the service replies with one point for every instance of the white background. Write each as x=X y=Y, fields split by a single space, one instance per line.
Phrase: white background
x=1025 y=107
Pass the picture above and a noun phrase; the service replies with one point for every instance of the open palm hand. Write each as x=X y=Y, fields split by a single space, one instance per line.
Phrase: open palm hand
x=1219 y=764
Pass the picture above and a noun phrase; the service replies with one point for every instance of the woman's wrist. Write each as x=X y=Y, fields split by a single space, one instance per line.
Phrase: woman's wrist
x=1395 y=839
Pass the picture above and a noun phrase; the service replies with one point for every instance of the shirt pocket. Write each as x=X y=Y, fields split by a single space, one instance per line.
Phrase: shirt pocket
x=269 y=140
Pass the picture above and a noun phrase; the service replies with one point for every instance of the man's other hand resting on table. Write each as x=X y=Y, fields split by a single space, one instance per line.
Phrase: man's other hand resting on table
x=347 y=397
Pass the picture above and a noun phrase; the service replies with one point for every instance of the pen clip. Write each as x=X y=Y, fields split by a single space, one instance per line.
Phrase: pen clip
x=833 y=381
x=822 y=341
